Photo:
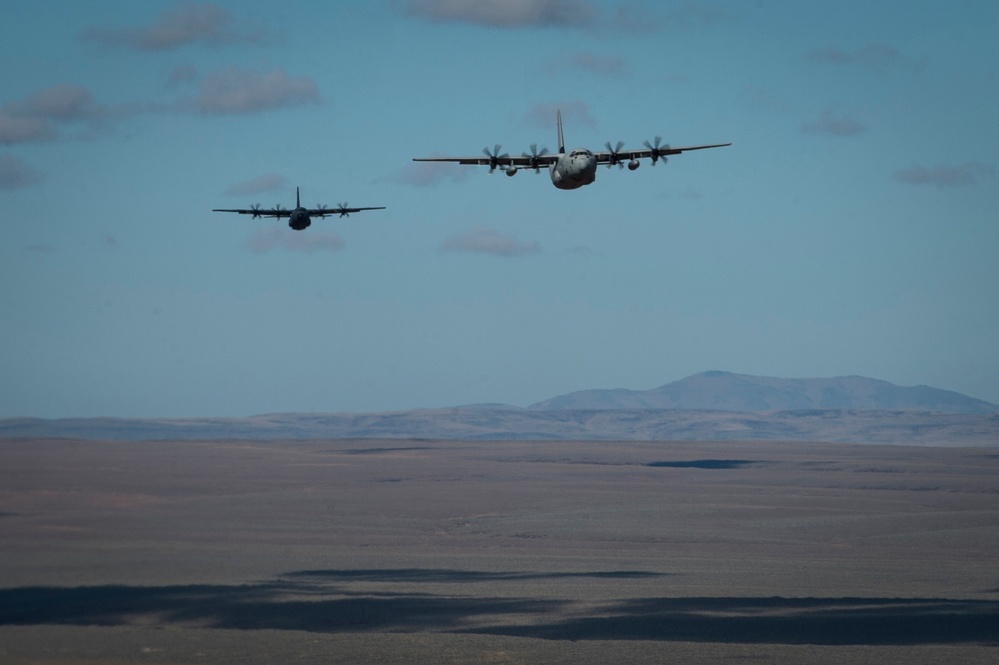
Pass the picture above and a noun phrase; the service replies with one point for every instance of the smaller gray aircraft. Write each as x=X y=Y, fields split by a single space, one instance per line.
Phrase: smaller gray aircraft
x=578 y=167
x=299 y=218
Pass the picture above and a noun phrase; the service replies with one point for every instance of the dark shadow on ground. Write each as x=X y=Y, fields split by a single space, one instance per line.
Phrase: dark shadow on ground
x=255 y=607
x=311 y=601
x=827 y=621
x=380 y=451
x=706 y=464
x=438 y=575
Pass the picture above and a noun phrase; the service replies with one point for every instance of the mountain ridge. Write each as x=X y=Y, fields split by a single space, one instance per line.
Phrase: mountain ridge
x=727 y=391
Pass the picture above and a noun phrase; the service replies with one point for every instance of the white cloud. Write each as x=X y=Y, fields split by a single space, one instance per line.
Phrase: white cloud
x=484 y=240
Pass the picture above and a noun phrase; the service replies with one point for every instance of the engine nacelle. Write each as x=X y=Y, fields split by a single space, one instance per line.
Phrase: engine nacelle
x=633 y=164
x=511 y=171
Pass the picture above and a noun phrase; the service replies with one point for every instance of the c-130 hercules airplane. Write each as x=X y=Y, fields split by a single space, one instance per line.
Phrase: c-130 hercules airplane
x=578 y=167
x=299 y=218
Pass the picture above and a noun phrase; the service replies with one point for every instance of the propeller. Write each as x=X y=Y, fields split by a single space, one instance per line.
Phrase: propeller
x=494 y=157
x=342 y=209
x=614 y=159
x=322 y=210
x=256 y=210
x=534 y=157
x=656 y=150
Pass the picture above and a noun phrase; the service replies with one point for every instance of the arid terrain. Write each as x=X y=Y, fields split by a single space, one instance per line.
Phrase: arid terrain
x=408 y=551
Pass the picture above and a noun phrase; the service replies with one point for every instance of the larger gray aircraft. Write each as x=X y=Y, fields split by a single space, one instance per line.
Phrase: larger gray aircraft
x=576 y=168
x=299 y=218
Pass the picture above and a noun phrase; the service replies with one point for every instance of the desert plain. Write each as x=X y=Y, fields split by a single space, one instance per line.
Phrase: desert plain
x=430 y=551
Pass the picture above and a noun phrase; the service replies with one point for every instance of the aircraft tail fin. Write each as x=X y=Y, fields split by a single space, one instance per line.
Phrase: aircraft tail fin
x=298 y=201
x=561 y=143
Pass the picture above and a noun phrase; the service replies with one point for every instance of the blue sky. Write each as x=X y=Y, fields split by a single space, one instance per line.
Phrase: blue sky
x=851 y=228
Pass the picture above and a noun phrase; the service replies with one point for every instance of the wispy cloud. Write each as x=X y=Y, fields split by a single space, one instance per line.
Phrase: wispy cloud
x=627 y=18
x=543 y=115
x=187 y=23
x=307 y=242
x=428 y=174
x=182 y=74
x=765 y=98
x=17 y=128
x=269 y=182
x=66 y=103
x=237 y=90
x=610 y=66
x=833 y=123
x=46 y=115
x=52 y=112
x=484 y=240
x=631 y=18
x=16 y=173
x=508 y=13
x=39 y=116
x=690 y=15
x=960 y=175
x=879 y=57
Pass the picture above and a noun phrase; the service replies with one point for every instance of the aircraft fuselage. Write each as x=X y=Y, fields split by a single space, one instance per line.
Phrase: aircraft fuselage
x=574 y=169
x=299 y=219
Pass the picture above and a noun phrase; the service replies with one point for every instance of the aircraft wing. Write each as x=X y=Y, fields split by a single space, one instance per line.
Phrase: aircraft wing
x=499 y=161
x=259 y=212
x=502 y=160
x=623 y=156
x=341 y=210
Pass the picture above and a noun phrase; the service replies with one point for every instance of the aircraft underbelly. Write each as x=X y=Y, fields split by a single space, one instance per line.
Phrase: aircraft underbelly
x=573 y=173
x=299 y=222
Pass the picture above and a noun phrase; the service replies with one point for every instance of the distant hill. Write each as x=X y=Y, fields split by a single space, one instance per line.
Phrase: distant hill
x=707 y=406
x=725 y=391
x=908 y=427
